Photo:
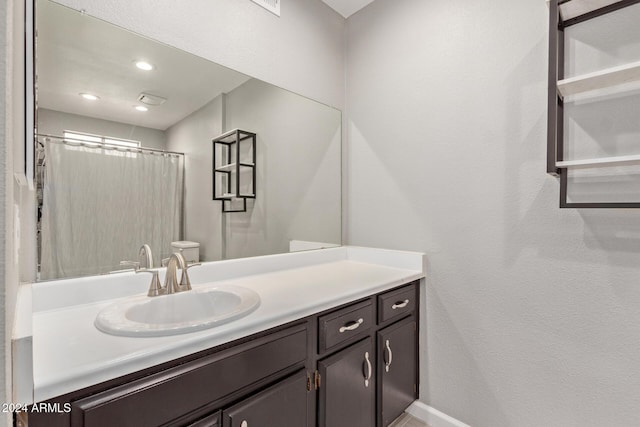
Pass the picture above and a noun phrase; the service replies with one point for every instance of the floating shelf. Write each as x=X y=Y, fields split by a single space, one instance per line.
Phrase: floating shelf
x=602 y=79
x=573 y=8
x=600 y=162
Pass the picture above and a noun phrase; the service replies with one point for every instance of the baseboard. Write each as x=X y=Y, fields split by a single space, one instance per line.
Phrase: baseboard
x=432 y=416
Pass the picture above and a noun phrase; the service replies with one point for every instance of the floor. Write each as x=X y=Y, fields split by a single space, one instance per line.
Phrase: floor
x=406 y=420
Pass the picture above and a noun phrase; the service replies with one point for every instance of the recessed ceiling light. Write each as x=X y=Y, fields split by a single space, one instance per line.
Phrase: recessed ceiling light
x=141 y=108
x=144 y=65
x=89 y=96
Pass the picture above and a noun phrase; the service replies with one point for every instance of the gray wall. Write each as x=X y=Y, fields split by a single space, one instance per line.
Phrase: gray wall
x=302 y=51
x=298 y=175
x=52 y=122
x=298 y=179
x=192 y=136
x=532 y=312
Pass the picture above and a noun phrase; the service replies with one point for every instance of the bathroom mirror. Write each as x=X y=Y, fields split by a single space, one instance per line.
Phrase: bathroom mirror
x=124 y=129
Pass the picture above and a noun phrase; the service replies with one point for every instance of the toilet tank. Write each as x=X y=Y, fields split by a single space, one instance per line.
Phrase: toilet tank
x=189 y=250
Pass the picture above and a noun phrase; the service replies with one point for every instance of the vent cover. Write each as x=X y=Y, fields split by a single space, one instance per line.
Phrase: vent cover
x=272 y=6
x=147 y=98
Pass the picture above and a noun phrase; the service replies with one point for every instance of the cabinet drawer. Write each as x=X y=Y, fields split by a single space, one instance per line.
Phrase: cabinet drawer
x=284 y=404
x=210 y=421
x=395 y=304
x=167 y=395
x=344 y=324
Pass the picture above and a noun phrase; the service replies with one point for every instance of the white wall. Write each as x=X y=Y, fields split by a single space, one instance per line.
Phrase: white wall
x=5 y=196
x=301 y=51
x=11 y=160
x=532 y=312
x=53 y=122
x=192 y=136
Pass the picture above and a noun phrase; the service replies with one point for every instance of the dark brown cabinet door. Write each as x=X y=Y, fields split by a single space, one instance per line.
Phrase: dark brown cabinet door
x=282 y=405
x=347 y=387
x=397 y=360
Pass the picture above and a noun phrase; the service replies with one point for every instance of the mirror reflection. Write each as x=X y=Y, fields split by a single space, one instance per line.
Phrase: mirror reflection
x=125 y=154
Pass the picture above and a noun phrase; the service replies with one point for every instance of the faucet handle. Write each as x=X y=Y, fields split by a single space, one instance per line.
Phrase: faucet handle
x=155 y=288
x=134 y=264
x=185 y=283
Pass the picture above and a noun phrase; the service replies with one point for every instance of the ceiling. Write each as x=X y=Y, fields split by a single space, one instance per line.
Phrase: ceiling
x=347 y=8
x=77 y=54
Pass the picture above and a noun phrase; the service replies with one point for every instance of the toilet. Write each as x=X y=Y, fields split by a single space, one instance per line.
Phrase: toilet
x=189 y=250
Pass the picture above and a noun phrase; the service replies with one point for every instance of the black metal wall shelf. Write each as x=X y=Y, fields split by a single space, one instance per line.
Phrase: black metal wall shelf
x=234 y=169
x=563 y=14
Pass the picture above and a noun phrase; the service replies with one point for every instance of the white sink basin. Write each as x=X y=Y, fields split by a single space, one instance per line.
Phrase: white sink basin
x=179 y=313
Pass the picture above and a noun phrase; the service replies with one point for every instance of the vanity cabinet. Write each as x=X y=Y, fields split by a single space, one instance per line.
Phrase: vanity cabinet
x=353 y=366
x=368 y=360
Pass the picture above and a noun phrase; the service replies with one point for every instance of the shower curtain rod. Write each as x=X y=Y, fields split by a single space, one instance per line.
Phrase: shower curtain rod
x=73 y=141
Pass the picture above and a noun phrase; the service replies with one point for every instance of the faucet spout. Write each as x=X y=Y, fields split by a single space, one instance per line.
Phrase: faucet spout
x=145 y=257
x=171 y=284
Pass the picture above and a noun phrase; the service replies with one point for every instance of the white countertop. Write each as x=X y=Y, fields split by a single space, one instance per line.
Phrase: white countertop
x=69 y=353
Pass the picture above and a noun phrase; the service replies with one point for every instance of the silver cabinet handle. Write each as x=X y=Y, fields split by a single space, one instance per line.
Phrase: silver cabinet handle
x=402 y=304
x=369 y=370
x=351 y=326
x=387 y=364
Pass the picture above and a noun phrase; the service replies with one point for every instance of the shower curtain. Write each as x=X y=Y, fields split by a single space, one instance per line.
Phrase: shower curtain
x=100 y=205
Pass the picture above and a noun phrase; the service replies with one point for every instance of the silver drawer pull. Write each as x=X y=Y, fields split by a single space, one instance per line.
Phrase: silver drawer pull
x=351 y=326
x=369 y=370
x=387 y=363
x=402 y=304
